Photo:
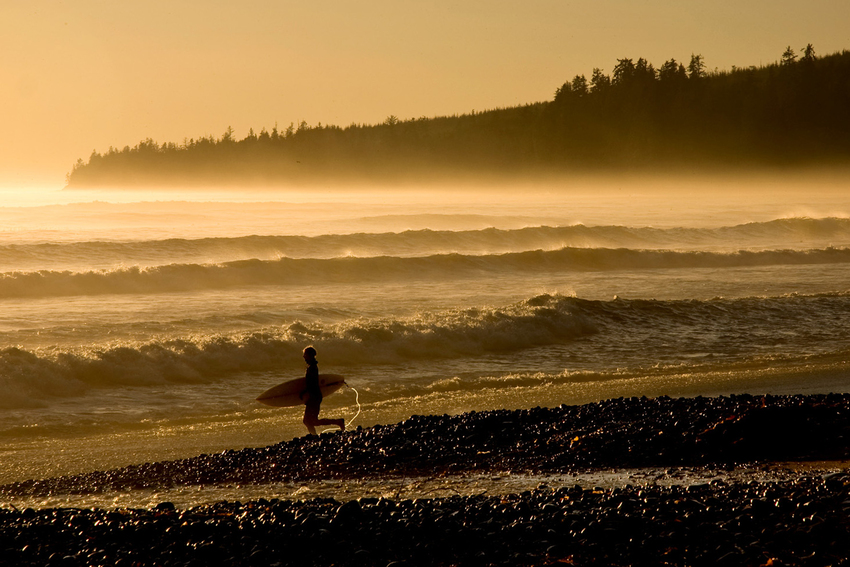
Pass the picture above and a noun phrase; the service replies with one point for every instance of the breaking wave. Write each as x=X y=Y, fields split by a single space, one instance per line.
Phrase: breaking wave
x=353 y=270
x=791 y=233
x=28 y=377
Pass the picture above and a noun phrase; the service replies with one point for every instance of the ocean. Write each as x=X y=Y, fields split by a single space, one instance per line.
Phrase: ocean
x=140 y=326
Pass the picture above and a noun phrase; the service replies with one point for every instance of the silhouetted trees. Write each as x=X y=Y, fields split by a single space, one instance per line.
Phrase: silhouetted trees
x=794 y=111
x=696 y=68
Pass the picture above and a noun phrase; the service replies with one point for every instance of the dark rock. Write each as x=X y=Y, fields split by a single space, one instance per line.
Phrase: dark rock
x=800 y=522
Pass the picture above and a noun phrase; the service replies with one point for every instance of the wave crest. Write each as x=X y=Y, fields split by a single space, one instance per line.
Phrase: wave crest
x=288 y=271
x=28 y=377
x=793 y=233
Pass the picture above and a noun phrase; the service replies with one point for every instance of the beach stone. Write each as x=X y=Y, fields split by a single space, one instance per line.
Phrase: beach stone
x=798 y=522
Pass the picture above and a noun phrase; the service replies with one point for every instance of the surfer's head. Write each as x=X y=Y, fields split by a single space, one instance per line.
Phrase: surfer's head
x=309 y=353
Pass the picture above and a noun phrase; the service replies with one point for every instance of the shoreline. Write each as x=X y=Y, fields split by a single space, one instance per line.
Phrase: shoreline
x=620 y=433
x=793 y=522
x=412 y=488
x=740 y=480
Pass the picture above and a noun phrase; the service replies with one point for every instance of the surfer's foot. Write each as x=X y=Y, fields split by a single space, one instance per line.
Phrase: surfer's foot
x=341 y=423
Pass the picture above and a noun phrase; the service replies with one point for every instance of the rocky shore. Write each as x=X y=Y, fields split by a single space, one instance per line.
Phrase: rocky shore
x=804 y=521
x=634 y=432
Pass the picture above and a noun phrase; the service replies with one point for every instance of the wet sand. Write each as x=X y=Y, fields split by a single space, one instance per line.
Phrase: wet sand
x=799 y=518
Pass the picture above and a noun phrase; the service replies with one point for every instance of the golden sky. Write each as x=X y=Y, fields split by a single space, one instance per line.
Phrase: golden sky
x=83 y=75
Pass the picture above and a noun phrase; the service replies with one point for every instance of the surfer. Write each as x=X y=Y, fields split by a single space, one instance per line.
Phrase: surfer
x=314 y=395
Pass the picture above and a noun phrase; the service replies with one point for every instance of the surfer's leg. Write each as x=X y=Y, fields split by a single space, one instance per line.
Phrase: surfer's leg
x=338 y=422
x=311 y=417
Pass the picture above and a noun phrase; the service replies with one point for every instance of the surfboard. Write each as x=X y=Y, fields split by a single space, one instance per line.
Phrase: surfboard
x=288 y=394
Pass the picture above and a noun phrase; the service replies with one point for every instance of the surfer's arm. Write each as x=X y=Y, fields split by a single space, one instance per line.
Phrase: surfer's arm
x=312 y=388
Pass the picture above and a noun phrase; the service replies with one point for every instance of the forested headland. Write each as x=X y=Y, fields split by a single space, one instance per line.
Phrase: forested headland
x=677 y=116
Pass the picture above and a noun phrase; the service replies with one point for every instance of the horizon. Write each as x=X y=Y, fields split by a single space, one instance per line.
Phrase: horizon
x=89 y=76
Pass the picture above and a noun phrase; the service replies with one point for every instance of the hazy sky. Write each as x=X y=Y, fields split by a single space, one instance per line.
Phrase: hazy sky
x=80 y=75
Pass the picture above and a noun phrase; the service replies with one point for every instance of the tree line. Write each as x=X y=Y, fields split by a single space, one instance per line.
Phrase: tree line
x=677 y=115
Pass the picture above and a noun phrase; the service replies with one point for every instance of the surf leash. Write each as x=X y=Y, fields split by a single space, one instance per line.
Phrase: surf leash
x=356 y=401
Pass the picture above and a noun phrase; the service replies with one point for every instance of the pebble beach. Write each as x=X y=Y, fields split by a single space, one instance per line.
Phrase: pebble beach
x=800 y=517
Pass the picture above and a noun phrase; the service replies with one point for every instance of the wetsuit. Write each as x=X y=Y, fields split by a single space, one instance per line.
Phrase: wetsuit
x=313 y=391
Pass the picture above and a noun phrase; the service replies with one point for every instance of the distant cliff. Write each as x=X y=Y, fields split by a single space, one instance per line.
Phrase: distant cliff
x=793 y=112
